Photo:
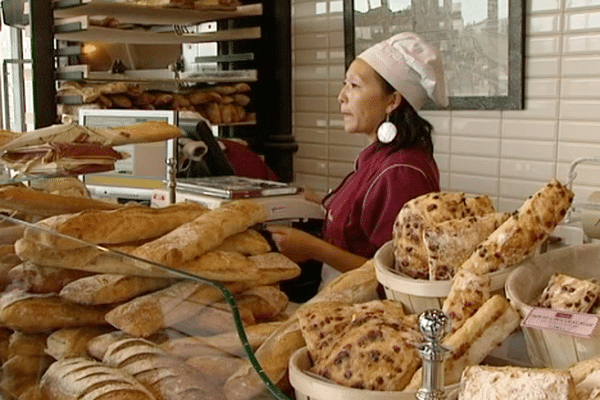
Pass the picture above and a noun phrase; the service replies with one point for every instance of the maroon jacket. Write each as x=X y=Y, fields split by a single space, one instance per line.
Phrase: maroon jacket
x=362 y=210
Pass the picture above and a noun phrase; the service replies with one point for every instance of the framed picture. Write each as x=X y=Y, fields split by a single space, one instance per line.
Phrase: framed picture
x=481 y=43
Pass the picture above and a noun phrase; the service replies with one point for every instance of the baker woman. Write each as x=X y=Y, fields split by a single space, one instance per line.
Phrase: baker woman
x=383 y=89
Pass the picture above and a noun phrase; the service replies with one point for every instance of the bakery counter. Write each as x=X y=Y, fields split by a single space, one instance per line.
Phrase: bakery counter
x=136 y=302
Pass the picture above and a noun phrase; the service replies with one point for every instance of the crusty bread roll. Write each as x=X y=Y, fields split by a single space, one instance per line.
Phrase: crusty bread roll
x=21 y=372
x=167 y=377
x=110 y=288
x=209 y=230
x=265 y=302
x=127 y=224
x=74 y=378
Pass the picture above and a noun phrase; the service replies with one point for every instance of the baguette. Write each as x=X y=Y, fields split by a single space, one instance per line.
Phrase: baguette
x=74 y=378
x=110 y=288
x=214 y=319
x=222 y=344
x=222 y=266
x=147 y=314
x=475 y=339
x=40 y=279
x=248 y=242
x=265 y=302
x=33 y=313
x=209 y=230
x=519 y=236
x=167 y=377
x=126 y=224
x=468 y=292
x=42 y=204
x=216 y=368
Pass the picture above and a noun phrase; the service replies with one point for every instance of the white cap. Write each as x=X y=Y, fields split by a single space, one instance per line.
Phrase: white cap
x=413 y=67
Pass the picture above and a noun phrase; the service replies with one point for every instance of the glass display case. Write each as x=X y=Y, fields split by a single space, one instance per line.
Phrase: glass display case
x=78 y=317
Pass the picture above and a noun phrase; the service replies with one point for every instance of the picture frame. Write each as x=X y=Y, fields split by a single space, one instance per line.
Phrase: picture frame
x=482 y=44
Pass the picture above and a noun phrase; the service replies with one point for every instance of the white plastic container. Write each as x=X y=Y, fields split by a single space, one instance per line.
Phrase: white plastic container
x=418 y=295
x=311 y=387
x=525 y=284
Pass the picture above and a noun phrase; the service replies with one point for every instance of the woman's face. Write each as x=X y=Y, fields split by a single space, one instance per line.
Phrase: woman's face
x=363 y=101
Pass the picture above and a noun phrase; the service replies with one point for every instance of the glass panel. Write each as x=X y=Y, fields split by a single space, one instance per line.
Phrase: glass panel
x=75 y=305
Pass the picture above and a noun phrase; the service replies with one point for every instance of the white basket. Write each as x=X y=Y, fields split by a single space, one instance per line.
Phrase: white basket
x=525 y=284
x=418 y=295
x=311 y=387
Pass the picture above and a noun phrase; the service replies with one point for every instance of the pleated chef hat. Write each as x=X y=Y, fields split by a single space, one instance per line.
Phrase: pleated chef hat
x=412 y=66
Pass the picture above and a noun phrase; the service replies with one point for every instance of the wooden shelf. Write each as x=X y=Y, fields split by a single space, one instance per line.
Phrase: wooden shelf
x=137 y=14
x=84 y=32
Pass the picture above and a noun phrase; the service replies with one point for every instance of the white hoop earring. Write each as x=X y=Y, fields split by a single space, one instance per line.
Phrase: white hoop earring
x=387 y=131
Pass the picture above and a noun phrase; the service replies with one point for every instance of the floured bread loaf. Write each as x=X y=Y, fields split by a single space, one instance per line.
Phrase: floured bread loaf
x=515 y=383
x=589 y=387
x=519 y=236
x=126 y=224
x=450 y=243
x=204 y=233
x=567 y=293
x=369 y=346
x=422 y=213
x=79 y=378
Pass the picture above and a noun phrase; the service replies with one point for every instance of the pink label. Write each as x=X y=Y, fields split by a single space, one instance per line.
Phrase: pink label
x=575 y=324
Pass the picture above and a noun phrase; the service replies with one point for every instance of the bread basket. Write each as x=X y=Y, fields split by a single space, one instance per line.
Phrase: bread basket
x=308 y=386
x=525 y=284
x=418 y=295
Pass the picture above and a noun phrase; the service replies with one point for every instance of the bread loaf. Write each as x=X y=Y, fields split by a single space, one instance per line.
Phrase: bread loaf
x=145 y=315
x=225 y=343
x=110 y=288
x=35 y=202
x=422 y=213
x=468 y=292
x=216 y=368
x=126 y=224
x=214 y=319
x=32 y=344
x=32 y=313
x=223 y=266
x=248 y=243
x=567 y=293
x=515 y=383
x=167 y=377
x=22 y=372
x=74 y=378
x=493 y=322
x=265 y=302
x=40 y=279
x=207 y=231
x=519 y=236
x=450 y=243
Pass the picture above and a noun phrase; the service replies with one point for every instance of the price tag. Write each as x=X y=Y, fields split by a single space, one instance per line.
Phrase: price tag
x=575 y=324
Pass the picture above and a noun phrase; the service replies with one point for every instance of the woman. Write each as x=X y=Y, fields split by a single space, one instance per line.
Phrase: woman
x=382 y=90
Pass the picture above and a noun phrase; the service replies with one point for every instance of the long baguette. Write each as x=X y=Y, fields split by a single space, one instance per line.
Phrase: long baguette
x=74 y=378
x=126 y=224
x=204 y=233
x=475 y=339
x=42 y=204
x=72 y=342
x=145 y=315
x=32 y=313
x=110 y=288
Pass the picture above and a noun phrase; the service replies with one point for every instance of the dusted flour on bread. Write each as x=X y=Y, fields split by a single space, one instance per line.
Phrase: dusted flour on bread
x=515 y=383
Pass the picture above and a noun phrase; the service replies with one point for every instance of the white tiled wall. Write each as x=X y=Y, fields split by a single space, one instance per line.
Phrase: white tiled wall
x=507 y=155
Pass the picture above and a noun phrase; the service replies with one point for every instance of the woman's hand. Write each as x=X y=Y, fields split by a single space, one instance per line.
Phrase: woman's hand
x=293 y=243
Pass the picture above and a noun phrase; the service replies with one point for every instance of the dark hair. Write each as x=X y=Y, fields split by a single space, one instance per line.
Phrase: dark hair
x=413 y=130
